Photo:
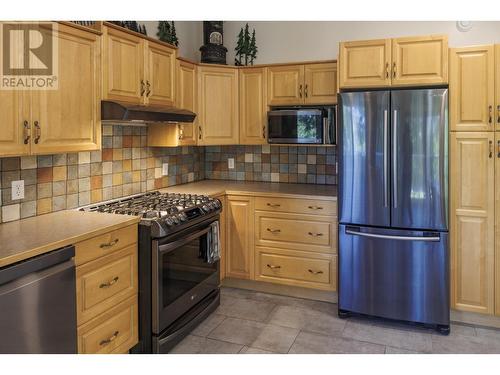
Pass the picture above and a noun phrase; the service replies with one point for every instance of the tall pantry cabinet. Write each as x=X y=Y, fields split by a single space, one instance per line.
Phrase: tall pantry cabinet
x=475 y=178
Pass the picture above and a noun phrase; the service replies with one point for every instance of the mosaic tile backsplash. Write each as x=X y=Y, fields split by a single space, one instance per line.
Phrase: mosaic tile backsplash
x=272 y=163
x=126 y=166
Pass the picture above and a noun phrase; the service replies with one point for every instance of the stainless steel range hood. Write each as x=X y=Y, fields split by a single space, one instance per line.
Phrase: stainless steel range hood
x=121 y=112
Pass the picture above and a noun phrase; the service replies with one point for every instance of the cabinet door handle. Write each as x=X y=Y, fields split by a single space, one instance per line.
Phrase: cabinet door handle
x=274 y=231
x=274 y=205
x=498 y=149
x=26 y=130
x=38 y=132
x=273 y=267
x=199 y=132
x=109 y=283
x=315 y=272
x=315 y=207
x=306 y=91
x=148 y=85
x=315 y=234
x=498 y=113
x=110 y=339
x=300 y=90
x=264 y=132
x=109 y=244
x=181 y=132
x=490 y=114
x=394 y=69
x=491 y=148
x=387 y=70
x=143 y=89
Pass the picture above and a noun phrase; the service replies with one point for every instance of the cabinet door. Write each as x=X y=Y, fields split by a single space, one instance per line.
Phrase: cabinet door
x=320 y=83
x=471 y=88
x=15 y=123
x=186 y=98
x=365 y=63
x=472 y=222
x=218 y=106
x=497 y=86
x=69 y=119
x=239 y=237
x=160 y=74
x=253 y=106
x=497 y=224
x=420 y=60
x=285 y=84
x=222 y=236
x=123 y=66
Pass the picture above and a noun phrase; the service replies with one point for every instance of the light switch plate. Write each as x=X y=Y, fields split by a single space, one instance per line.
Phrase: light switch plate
x=230 y=163
x=165 y=169
x=17 y=189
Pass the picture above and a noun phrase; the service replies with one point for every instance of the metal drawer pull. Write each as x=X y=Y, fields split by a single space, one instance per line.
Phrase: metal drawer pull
x=300 y=91
x=273 y=267
x=110 y=339
x=315 y=234
x=148 y=85
x=273 y=230
x=143 y=90
x=498 y=114
x=394 y=70
x=315 y=272
x=306 y=91
x=315 y=207
x=274 y=205
x=490 y=149
x=490 y=114
x=109 y=244
x=386 y=70
x=38 y=132
x=109 y=283
x=26 y=132
x=498 y=149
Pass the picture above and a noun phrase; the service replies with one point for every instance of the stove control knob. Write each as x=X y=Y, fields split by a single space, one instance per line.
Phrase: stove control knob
x=217 y=203
x=169 y=221
x=176 y=220
x=183 y=216
x=205 y=208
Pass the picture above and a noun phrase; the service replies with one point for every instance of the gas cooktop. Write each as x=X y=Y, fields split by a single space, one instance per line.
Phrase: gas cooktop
x=164 y=212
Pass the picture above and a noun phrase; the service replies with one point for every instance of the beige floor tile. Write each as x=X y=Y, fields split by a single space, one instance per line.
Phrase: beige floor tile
x=237 y=331
x=276 y=339
x=313 y=343
x=208 y=325
x=202 y=345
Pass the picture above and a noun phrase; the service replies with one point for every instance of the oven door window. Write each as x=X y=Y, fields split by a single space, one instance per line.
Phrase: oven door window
x=184 y=268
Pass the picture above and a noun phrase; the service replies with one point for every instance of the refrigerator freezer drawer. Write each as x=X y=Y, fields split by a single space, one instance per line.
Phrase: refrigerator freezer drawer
x=395 y=274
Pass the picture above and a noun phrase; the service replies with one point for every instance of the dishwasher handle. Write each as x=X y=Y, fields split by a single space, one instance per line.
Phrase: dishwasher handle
x=35 y=264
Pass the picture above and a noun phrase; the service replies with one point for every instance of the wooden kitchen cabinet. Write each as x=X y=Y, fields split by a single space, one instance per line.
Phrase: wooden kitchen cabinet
x=218 y=120
x=497 y=86
x=365 y=63
x=187 y=98
x=222 y=236
x=421 y=60
x=160 y=74
x=123 y=66
x=497 y=223
x=472 y=88
x=253 y=106
x=15 y=123
x=285 y=84
x=472 y=232
x=320 y=83
x=408 y=61
x=240 y=237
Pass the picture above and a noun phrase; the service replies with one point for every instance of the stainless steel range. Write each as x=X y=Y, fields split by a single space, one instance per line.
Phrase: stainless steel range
x=178 y=263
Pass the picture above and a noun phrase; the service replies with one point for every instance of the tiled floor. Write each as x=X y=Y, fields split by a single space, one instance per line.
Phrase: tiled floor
x=254 y=322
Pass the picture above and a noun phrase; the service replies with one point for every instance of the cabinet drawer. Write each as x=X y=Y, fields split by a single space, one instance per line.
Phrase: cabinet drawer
x=112 y=332
x=104 y=244
x=301 y=232
x=296 y=268
x=300 y=206
x=103 y=283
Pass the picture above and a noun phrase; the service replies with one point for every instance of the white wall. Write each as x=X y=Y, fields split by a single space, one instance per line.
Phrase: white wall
x=288 y=41
x=189 y=33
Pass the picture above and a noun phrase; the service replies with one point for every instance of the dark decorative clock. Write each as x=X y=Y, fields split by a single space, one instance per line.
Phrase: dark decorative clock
x=213 y=50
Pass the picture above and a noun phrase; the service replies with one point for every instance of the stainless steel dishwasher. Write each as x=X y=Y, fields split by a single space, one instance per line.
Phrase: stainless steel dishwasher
x=38 y=304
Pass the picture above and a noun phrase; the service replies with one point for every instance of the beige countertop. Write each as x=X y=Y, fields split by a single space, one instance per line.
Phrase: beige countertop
x=23 y=239
x=218 y=187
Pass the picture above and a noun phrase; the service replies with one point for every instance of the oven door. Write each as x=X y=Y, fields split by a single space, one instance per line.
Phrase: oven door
x=295 y=126
x=180 y=276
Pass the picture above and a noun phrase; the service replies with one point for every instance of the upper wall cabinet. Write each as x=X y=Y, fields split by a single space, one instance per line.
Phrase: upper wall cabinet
x=302 y=84
x=137 y=70
x=63 y=120
x=472 y=88
x=253 y=105
x=409 y=61
x=218 y=105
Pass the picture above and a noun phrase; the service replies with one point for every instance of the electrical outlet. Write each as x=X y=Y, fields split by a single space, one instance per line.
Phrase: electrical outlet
x=230 y=163
x=165 y=169
x=18 y=189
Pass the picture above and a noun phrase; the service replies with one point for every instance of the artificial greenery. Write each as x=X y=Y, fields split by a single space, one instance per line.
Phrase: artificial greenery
x=246 y=47
x=132 y=25
x=166 y=32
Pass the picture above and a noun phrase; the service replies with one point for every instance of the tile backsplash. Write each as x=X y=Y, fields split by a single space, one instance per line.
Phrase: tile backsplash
x=126 y=166
x=272 y=163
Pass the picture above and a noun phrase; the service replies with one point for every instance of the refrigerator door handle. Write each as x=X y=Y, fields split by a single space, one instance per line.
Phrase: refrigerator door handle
x=389 y=237
x=386 y=161
x=394 y=158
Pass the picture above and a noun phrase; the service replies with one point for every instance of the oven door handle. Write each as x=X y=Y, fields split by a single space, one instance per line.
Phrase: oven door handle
x=162 y=249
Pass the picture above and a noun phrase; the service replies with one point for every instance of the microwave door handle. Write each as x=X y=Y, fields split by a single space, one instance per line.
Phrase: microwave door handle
x=163 y=249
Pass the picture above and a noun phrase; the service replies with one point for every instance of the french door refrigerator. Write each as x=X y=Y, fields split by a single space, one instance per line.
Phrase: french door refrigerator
x=393 y=205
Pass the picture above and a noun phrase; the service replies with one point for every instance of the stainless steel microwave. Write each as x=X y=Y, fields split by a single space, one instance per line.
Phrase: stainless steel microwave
x=302 y=125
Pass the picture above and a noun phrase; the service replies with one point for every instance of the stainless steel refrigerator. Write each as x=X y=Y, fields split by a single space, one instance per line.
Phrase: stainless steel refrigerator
x=393 y=205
